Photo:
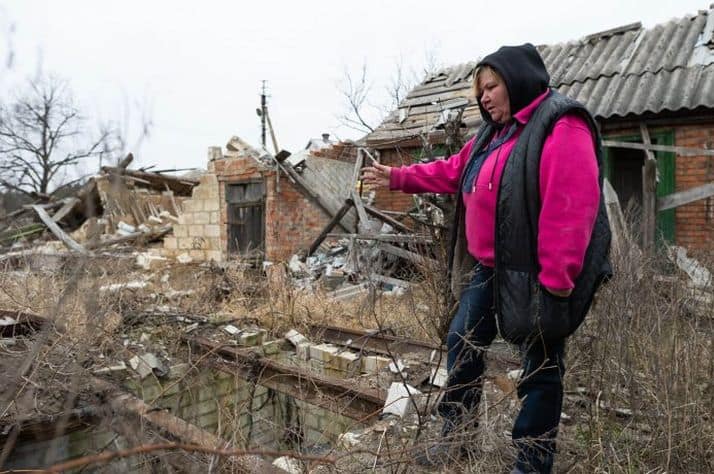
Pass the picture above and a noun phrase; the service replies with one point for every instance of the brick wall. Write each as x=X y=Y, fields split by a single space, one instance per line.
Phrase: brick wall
x=694 y=222
x=292 y=220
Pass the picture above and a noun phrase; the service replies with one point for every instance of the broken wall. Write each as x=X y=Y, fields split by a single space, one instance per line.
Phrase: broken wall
x=198 y=230
x=292 y=220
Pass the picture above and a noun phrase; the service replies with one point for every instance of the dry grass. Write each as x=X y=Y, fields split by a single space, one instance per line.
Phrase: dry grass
x=638 y=386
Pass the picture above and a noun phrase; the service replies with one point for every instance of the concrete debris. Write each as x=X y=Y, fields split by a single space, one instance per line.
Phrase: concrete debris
x=398 y=367
x=295 y=337
x=348 y=440
x=149 y=261
x=700 y=276
x=147 y=364
x=184 y=258
x=231 y=329
x=130 y=285
x=125 y=229
x=120 y=366
x=374 y=364
x=251 y=338
x=439 y=376
x=289 y=465
x=7 y=321
x=515 y=375
x=401 y=399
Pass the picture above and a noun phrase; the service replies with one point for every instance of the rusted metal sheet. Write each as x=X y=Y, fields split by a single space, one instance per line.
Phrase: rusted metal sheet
x=336 y=395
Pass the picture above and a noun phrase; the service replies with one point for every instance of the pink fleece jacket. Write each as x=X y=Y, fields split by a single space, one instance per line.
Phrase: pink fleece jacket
x=569 y=191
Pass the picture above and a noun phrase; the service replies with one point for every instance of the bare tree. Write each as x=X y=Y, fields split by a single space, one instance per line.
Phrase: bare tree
x=44 y=139
x=355 y=92
x=366 y=107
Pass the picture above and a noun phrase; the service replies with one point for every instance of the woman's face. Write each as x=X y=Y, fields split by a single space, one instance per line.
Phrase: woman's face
x=494 y=96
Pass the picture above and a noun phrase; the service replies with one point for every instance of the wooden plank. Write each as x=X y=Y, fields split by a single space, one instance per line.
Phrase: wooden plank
x=180 y=186
x=685 y=197
x=58 y=232
x=389 y=280
x=649 y=193
x=69 y=204
x=363 y=224
x=679 y=150
x=333 y=222
x=406 y=254
x=399 y=238
x=385 y=218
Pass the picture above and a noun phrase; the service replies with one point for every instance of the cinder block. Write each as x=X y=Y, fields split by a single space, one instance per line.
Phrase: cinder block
x=212 y=230
x=251 y=338
x=185 y=243
x=271 y=347
x=347 y=362
x=322 y=352
x=180 y=230
x=302 y=350
x=195 y=230
x=201 y=217
x=401 y=399
x=211 y=202
x=374 y=364
x=214 y=217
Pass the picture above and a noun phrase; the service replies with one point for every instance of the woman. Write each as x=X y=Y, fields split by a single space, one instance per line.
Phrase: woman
x=530 y=242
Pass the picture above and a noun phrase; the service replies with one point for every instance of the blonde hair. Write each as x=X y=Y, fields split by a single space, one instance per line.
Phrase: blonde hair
x=477 y=74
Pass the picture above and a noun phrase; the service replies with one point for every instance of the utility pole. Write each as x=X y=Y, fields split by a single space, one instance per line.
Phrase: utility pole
x=263 y=110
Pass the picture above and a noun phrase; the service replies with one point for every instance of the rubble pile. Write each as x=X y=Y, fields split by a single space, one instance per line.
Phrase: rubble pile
x=118 y=206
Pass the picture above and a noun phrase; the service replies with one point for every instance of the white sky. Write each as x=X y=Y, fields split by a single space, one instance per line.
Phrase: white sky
x=196 y=67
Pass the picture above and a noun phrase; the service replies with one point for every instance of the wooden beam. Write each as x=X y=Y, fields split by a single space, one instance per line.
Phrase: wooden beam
x=69 y=204
x=59 y=233
x=685 y=197
x=385 y=218
x=406 y=254
x=649 y=193
x=399 y=238
x=679 y=150
x=363 y=223
x=125 y=403
x=333 y=222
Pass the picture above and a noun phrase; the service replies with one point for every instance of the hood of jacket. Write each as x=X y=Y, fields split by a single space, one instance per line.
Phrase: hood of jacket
x=523 y=71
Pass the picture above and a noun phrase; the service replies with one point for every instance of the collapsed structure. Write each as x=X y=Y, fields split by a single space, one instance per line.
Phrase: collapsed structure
x=217 y=383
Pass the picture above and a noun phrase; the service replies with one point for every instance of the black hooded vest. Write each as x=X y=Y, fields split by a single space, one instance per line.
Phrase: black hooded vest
x=525 y=310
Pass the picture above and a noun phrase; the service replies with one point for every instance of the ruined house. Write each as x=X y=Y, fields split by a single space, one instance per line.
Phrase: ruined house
x=245 y=208
x=659 y=79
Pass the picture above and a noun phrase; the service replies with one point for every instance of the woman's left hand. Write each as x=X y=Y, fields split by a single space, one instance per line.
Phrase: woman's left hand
x=559 y=293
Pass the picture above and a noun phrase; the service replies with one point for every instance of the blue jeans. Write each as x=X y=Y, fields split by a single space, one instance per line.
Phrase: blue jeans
x=541 y=387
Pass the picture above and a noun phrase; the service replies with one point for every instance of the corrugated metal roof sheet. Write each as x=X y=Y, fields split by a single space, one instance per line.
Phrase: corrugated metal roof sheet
x=626 y=70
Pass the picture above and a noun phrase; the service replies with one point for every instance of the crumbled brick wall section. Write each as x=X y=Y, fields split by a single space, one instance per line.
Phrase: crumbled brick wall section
x=694 y=222
x=198 y=230
x=345 y=152
x=292 y=220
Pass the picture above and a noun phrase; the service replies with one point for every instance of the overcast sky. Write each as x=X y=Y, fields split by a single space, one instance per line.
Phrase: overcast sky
x=196 y=67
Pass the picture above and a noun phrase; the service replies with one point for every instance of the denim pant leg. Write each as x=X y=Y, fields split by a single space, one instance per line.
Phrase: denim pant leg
x=473 y=325
x=541 y=389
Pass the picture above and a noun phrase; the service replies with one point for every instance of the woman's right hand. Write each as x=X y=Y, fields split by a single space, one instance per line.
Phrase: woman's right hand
x=376 y=175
